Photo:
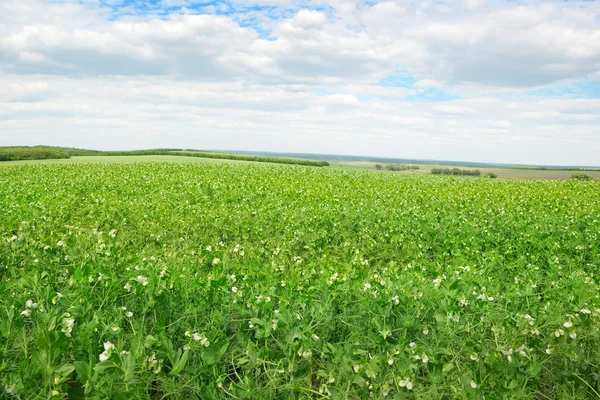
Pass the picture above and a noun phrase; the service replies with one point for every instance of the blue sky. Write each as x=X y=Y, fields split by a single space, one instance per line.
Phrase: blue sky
x=474 y=80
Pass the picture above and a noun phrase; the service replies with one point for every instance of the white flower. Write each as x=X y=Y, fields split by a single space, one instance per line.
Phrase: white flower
x=315 y=337
x=559 y=333
x=390 y=361
x=573 y=335
x=234 y=289
x=68 y=324
x=425 y=359
x=142 y=279
x=124 y=353
x=30 y=304
x=548 y=350
x=282 y=283
x=129 y=314
x=425 y=332
x=568 y=324
x=385 y=333
x=108 y=347
x=473 y=357
x=26 y=313
x=202 y=339
x=473 y=384
x=585 y=311
x=12 y=390
x=356 y=368
x=405 y=383
x=215 y=261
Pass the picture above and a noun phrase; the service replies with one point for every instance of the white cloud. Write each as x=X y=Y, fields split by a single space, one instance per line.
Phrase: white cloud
x=80 y=74
x=453 y=109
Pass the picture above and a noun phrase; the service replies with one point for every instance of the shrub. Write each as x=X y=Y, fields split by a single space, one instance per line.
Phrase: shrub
x=401 y=167
x=378 y=167
x=30 y=153
x=581 y=177
x=455 y=171
x=491 y=175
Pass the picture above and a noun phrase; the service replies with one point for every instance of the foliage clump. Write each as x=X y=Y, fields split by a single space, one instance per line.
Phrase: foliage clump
x=31 y=153
x=455 y=171
x=401 y=167
x=218 y=281
x=581 y=177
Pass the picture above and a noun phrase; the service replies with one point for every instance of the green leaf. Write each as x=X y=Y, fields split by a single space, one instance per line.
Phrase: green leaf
x=150 y=341
x=84 y=370
x=535 y=369
x=105 y=366
x=65 y=370
x=447 y=368
x=513 y=384
x=223 y=348
x=178 y=367
x=359 y=380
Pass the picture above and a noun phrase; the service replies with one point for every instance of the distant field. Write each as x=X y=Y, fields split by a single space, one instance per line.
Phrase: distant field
x=507 y=173
x=124 y=160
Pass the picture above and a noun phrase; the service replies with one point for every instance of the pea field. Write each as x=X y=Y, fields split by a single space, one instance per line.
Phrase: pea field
x=239 y=281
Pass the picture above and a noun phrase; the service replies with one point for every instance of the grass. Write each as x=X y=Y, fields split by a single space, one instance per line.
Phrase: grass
x=506 y=173
x=222 y=280
x=123 y=160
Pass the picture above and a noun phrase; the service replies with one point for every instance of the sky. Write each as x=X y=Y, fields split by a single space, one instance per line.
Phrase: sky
x=472 y=80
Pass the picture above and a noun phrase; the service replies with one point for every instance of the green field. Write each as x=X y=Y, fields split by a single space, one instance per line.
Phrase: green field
x=506 y=173
x=122 y=160
x=219 y=280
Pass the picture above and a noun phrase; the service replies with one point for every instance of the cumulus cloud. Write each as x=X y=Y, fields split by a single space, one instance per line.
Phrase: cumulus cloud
x=304 y=76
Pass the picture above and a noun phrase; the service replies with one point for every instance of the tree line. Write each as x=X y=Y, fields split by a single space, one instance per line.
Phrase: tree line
x=455 y=171
x=397 y=167
x=31 y=153
x=43 y=152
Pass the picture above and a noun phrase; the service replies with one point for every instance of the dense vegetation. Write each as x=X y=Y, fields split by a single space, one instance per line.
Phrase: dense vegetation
x=581 y=177
x=401 y=167
x=30 y=153
x=213 y=281
x=534 y=168
x=455 y=171
x=42 y=152
x=276 y=160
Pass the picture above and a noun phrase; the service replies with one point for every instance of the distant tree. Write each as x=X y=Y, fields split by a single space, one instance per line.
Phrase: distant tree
x=378 y=167
x=581 y=177
x=491 y=175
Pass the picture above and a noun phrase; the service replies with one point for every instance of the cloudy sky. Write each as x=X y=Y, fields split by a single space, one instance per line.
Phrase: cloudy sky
x=475 y=80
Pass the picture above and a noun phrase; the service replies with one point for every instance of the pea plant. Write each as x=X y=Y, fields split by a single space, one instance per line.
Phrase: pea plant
x=223 y=281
